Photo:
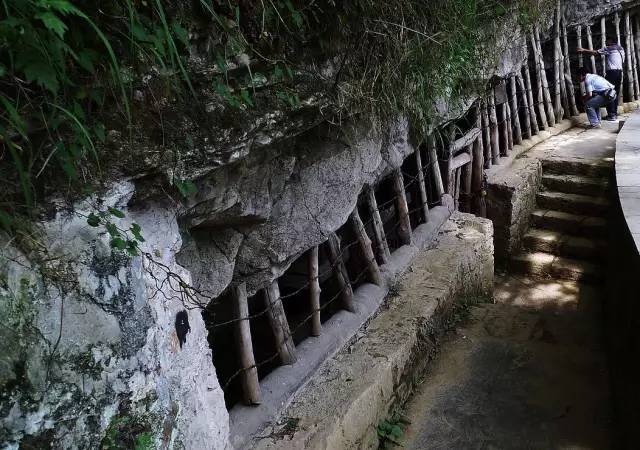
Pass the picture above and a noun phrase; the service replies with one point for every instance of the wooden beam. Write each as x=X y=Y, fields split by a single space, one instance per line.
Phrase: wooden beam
x=634 y=54
x=540 y=91
x=279 y=324
x=571 y=94
x=524 y=100
x=515 y=112
x=251 y=393
x=460 y=160
x=507 y=121
x=493 y=127
x=583 y=91
x=433 y=162
x=456 y=189
x=603 y=43
x=545 y=84
x=465 y=141
x=486 y=132
x=466 y=178
x=378 y=227
x=620 y=41
x=314 y=291
x=590 y=47
x=422 y=187
x=404 y=225
x=340 y=271
x=504 y=130
x=365 y=245
x=636 y=45
x=629 y=58
x=477 y=177
x=528 y=90
x=557 y=66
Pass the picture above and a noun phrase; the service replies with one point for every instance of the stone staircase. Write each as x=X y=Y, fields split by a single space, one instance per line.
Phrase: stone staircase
x=567 y=238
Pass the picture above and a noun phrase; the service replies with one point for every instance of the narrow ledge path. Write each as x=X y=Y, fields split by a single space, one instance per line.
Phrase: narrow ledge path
x=530 y=371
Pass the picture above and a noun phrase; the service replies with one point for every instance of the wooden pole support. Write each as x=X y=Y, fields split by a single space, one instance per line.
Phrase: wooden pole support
x=314 y=292
x=634 y=54
x=603 y=43
x=424 y=199
x=466 y=176
x=486 y=134
x=528 y=88
x=581 y=57
x=524 y=100
x=571 y=94
x=590 y=47
x=251 y=393
x=557 y=66
x=540 y=97
x=365 y=246
x=515 y=112
x=477 y=174
x=545 y=83
x=279 y=324
x=629 y=59
x=493 y=128
x=404 y=226
x=433 y=162
x=340 y=271
x=378 y=227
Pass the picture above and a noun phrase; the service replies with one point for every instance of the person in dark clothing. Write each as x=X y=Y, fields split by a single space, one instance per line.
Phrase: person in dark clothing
x=615 y=63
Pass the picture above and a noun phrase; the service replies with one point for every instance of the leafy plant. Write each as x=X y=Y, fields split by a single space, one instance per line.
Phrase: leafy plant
x=126 y=240
x=390 y=432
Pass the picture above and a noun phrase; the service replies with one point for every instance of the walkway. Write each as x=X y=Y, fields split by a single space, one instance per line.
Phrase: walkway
x=530 y=371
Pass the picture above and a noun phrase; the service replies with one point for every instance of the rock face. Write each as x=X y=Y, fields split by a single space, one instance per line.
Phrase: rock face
x=584 y=11
x=99 y=353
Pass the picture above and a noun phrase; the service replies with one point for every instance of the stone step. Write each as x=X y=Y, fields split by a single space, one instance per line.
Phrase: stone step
x=574 y=224
x=546 y=265
x=561 y=244
x=600 y=169
x=573 y=203
x=575 y=184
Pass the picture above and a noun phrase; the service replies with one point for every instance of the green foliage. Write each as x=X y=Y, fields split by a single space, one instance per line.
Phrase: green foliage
x=128 y=432
x=391 y=431
x=120 y=239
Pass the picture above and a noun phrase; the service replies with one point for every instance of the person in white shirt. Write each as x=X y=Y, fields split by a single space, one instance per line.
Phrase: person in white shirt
x=615 y=64
x=599 y=93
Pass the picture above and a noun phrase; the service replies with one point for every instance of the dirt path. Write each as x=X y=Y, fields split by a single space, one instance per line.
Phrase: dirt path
x=528 y=372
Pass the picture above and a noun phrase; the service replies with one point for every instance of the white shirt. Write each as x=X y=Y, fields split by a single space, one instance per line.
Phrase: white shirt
x=596 y=83
x=615 y=56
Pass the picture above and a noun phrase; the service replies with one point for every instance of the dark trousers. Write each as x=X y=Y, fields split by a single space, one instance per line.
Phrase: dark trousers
x=614 y=77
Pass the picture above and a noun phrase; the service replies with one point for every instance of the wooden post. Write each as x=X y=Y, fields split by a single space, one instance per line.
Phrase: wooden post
x=557 y=66
x=378 y=227
x=622 y=81
x=340 y=271
x=404 y=226
x=540 y=97
x=528 y=90
x=603 y=43
x=422 y=187
x=449 y=174
x=636 y=45
x=249 y=375
x=515 y=113
x=571 y=94
x=279 y=324
x=629 y=59
x=508 y=122
x=583 y=91
x=455 y=175
x=506 y=125
x=486 y=133
x=365 y=246
x=590 y=46
x=545 y=84
x=466 y=179
x=433 y=162
x=524 y=100
x=493 y=127
x=636 y=87
x=314 y=292
x=477 y=173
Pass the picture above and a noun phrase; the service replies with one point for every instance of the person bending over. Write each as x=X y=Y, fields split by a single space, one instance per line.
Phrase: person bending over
x=615 y=63
x=599 y=93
